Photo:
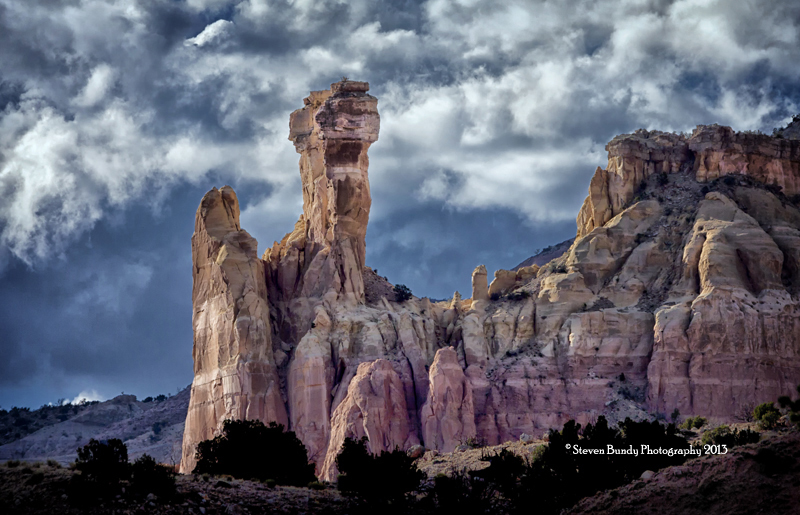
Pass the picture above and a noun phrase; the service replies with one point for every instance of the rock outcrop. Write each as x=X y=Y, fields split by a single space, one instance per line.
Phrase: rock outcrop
x=448 y=415
x=680 y=290
x=375 y=407
x=234 y=365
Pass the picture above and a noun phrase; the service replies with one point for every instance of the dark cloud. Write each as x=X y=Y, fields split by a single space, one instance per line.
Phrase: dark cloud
x=115 y=117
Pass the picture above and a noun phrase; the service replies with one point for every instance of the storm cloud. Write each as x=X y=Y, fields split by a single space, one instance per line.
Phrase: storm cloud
x=117 y=115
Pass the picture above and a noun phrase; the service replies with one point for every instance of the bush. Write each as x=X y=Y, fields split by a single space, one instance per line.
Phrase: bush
x=385 y=479
x=102 y=465
x=723 y=435
x=793 y=407
x=402 y=293
x=556 y=478
x=150 y=477
x=461 y=493
x=519 y=295
x=663 y=180
x=767 y=415
x=103 y=462
x=694 y=422
x=247 y=449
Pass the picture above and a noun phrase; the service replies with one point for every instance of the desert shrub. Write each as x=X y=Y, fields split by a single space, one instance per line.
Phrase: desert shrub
x=494 y=296
x=461 y=493
x=54 y=464
x=247 y=449
x=519 y=295
x=474 y=442
x=556 y=478
x=382 y=480
x=35 y=478
x=157 y=427
x=704 y=190
x=151 y=477
x=504 y=470
x=723 y=435
x=694 y=422
x=792 y=406
x=103 y=462
x=767 y=415
x=402 y=292
x=316 y=485
x=676 y=414
x=102 y=465
x=148 y=399
x=662 y=179
x=160 y=397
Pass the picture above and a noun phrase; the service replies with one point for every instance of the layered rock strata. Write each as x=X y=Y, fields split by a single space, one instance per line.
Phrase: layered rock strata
x=679 y=291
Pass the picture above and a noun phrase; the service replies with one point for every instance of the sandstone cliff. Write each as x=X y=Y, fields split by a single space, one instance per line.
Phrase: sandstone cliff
x=679 y=291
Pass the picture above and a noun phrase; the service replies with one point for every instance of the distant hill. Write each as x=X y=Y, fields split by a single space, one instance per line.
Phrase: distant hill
x=154 y=427
x=547 y=254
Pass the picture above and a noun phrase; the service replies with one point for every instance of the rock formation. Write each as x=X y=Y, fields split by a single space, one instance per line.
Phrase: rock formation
x=680 y=290
x=234 y=364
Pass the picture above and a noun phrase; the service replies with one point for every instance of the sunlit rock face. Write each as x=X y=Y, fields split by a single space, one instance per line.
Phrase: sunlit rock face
x=679 y=291
x=235 y=375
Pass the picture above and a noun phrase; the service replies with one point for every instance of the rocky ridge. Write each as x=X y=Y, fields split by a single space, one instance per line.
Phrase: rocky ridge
x=679 y=292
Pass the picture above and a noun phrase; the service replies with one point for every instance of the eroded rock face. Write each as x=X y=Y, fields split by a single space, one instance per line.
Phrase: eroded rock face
x=234 y=366
x=448 y=415
x=733 y=340
x=375 y=407
x=721 y=151
x=679 y=291
x=632 y=158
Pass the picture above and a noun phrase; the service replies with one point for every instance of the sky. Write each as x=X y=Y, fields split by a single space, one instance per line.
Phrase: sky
x=116 y=116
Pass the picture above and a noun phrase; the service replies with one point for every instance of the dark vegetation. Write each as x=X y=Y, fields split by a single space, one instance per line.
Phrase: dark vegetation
x=104 y=472
x=402 y=293
x=723 y=435
x=792 y=407
x=247 y=449
x=694 y=423
x=379 y=482
x=767 y=415
x=555 y=478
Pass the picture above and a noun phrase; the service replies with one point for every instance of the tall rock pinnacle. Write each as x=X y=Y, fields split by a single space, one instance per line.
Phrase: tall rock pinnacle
x=332 y=134
x=234 y=365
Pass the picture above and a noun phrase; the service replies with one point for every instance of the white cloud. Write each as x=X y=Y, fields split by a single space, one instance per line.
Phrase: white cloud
x=511 y=101
x=213 y=33
x=100 y=82
x=87 y=396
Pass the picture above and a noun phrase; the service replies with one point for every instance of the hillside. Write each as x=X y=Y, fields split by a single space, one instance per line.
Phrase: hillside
x=155 y=428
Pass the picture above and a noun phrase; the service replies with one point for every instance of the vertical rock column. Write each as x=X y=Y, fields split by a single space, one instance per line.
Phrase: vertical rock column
x=332 y=134
x=234 y=367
